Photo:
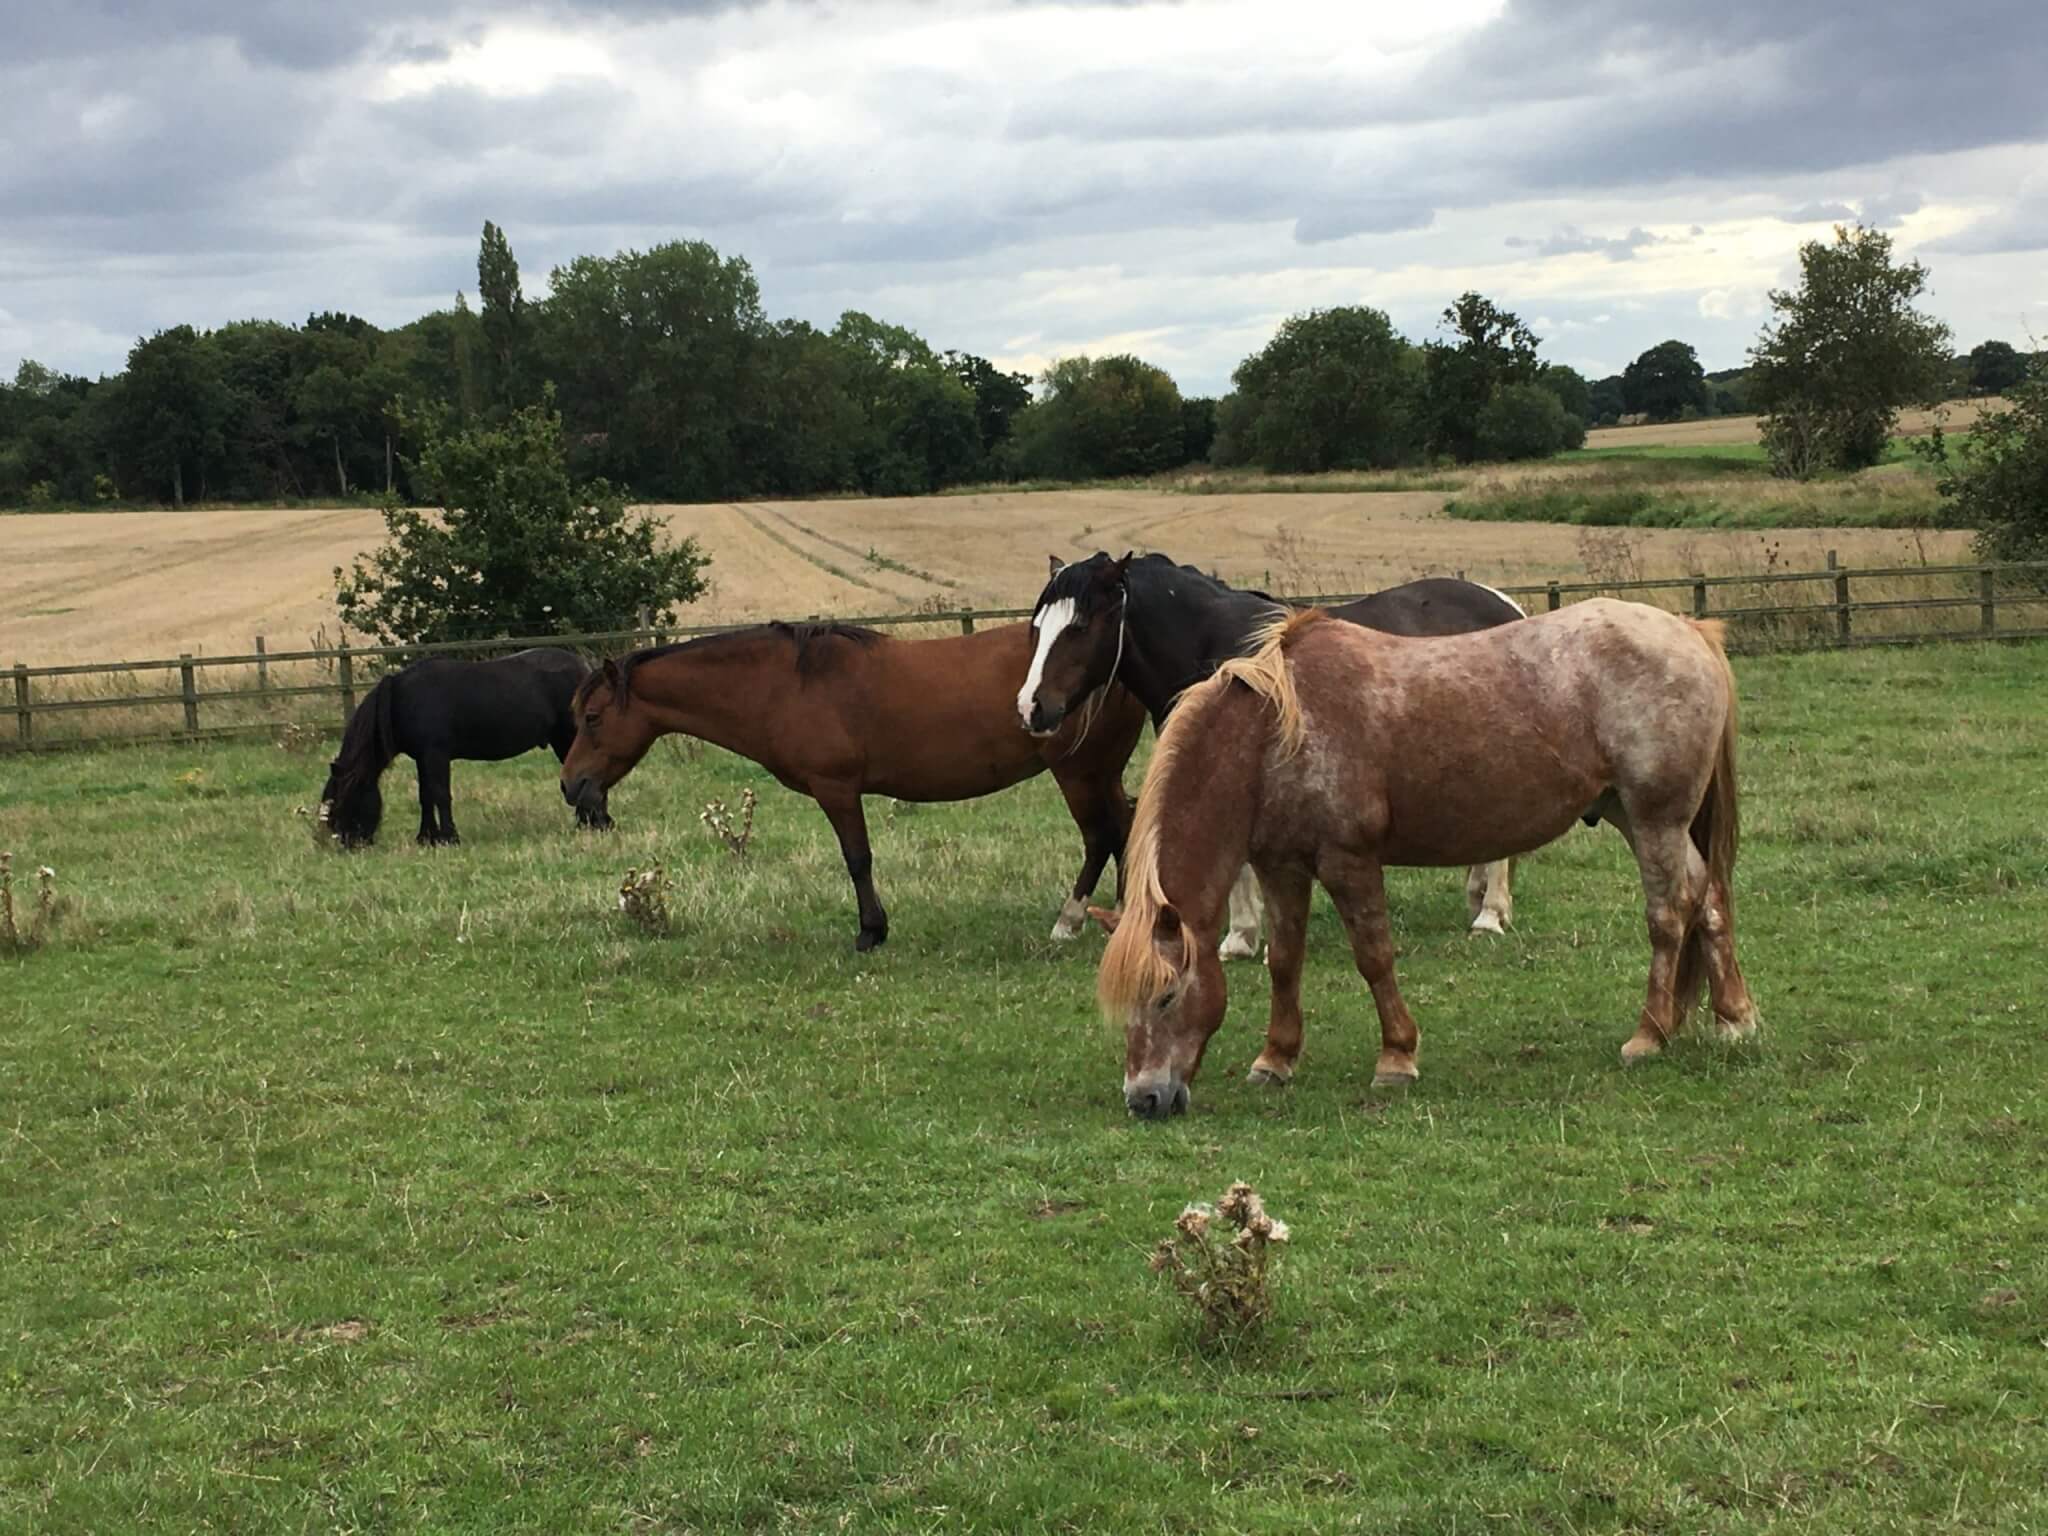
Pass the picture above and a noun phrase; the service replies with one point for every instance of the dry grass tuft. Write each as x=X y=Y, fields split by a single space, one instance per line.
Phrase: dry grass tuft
x=17 y=938
x=1221 y=1261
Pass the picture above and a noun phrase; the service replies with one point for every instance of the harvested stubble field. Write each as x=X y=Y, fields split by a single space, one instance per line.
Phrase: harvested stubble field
x=109 y=586
x=418 y=1190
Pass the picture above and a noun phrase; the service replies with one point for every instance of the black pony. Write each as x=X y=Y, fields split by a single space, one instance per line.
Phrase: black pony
x=439 y=709
x=1158 y=628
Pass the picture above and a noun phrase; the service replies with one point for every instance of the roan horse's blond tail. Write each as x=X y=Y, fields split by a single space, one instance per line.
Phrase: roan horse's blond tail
x=1134 y=971
x=1716 y=830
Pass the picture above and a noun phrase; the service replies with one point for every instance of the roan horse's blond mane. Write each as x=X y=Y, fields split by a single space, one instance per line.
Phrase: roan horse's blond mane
x=1133 y=969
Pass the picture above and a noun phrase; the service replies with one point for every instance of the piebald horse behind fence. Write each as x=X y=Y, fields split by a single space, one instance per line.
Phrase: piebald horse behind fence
x=1335 y=751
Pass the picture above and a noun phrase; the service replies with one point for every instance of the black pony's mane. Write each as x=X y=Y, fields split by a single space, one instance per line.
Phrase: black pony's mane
x=812 y=643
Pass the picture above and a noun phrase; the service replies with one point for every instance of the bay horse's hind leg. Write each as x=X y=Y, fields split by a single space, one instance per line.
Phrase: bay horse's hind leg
x=843 y=810
x=1102 y=811
x=1242 y=940
x=1287 y=899
x=1490 y=895
x=1359 y=888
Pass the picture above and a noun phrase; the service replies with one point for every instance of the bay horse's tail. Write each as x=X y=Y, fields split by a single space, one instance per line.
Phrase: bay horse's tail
x=1716 y=830
x=355 y=804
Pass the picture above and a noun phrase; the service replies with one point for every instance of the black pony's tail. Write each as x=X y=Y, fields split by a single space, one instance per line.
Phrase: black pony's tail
x=355 y=804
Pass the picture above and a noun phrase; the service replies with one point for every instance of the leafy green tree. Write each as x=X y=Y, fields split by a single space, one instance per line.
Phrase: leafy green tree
x=1995 y=367
x=1526 y=421
x=1102 y=417
x=998 y=396
x=657 y=356
x=1996 y=480
x=175 y=407
x=1334 y=389
x=503 y=321
x=1197 y=428
x=1490 y=349
x=1605 y=398
x=1664 y=382
x=1843 y=353
x=515 y=549
x=1571 y=389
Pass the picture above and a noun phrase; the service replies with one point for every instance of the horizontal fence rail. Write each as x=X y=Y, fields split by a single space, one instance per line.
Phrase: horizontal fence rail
x=2010 y=599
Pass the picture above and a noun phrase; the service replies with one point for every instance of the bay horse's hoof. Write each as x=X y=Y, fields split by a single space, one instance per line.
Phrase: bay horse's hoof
x=1398 y=1072
x=870 y=938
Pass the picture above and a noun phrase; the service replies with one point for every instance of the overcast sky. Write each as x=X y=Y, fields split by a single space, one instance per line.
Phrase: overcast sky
x=1019 y=179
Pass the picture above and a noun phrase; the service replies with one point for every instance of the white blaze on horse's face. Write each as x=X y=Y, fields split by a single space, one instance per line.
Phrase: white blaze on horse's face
x=1051 y=621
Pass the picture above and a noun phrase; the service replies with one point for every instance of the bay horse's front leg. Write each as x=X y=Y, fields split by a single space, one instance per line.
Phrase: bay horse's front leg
x=843 y=810
x=1287 y=901
x=1358 y=886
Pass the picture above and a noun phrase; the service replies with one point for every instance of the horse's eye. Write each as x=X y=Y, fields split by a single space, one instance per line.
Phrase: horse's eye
x=591 y=718
x=1166 y=998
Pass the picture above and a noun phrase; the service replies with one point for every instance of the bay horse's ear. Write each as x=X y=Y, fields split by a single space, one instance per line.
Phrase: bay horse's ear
x=1108 y=917
x=1058 y=564
x=612 y=678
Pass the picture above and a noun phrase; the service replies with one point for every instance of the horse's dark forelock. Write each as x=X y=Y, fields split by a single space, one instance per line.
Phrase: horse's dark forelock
x=1084 y=583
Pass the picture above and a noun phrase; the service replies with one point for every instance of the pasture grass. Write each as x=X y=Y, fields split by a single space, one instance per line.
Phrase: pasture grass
x=422 y=1190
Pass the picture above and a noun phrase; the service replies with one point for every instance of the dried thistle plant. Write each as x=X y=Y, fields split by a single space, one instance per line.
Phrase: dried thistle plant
x=294 y=737
x=14 y=937
x=643 y=897
x=1221 y=1261
x=719 y=820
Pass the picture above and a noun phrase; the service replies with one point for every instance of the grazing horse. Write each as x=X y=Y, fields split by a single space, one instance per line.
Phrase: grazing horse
x=1159 y=628
x=438 y=709
x=1334 y=751
x=837 y=712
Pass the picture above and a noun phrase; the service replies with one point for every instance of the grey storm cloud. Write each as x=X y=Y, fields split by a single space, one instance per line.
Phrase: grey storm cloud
x=1570 y=242
x=170 y=160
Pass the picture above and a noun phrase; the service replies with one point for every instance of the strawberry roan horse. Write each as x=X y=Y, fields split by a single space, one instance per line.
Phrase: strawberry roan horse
x=1334 y=751
x=837 y=712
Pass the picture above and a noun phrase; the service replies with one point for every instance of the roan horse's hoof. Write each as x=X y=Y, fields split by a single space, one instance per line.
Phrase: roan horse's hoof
x=1263 y=1076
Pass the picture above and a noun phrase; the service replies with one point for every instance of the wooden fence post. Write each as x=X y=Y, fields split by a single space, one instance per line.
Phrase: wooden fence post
x=1841 y=598
x=966 y=623
x=1987 y=600
x=345 y=668
x=262 y=667
x=24 y=721
x=1556 y=597
x=1699 y=596
x=189 y=686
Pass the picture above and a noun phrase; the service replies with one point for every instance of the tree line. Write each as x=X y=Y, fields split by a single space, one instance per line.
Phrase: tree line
x=673 y=384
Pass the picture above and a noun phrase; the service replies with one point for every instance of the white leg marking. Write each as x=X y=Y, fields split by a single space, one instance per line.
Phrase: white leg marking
x=1049 y=621
x=1246 y=912
x=1497 y=903
x=1072 y=919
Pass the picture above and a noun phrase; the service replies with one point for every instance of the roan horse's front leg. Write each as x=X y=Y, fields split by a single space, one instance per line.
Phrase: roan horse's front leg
x=1287 y=901
x=1359 y=888
x=842 y=809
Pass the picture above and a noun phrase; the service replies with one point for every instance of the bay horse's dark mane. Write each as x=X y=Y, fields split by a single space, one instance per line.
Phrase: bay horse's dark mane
x=815 y=654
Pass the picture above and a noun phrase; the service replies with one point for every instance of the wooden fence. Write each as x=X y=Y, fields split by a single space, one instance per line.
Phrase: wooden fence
x=2010 y=601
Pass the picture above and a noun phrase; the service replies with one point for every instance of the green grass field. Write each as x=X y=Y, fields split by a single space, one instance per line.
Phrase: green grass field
x=418 y=1191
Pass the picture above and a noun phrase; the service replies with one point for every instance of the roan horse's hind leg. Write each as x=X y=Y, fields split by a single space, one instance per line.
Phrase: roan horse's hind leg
x=1359 y=888
x=1674 y=879
x=1287 y=898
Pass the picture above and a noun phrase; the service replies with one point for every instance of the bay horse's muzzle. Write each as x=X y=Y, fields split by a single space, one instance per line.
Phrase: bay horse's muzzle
x=584 y=795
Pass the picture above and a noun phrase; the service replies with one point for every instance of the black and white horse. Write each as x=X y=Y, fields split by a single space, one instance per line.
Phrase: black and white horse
x=439 y=709
x=1158 y=628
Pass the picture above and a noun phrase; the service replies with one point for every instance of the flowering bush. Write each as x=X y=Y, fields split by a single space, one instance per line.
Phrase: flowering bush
x=1221 y=1261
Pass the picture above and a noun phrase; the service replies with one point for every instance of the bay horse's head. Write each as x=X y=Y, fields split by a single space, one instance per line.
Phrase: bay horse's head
x=1078 y=629
x=613 y=732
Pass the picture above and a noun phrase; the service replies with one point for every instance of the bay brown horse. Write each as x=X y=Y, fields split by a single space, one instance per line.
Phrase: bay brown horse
x=1335 y=751
x=837 y=712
